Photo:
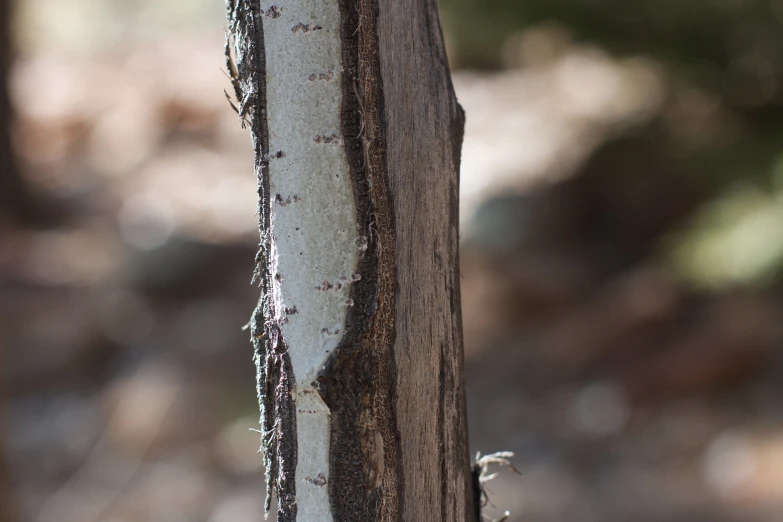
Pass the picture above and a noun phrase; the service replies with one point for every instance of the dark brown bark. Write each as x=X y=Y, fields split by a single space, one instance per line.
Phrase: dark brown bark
x=424 y=127
x=358 y=383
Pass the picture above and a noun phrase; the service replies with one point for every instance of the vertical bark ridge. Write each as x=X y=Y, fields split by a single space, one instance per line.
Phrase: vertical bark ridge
x=424 y=126
x=246 y=63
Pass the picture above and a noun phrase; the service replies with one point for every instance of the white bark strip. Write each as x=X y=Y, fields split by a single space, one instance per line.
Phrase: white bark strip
x=313 y=217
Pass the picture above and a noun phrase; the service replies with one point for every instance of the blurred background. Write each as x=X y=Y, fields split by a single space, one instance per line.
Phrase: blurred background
x=622 y=247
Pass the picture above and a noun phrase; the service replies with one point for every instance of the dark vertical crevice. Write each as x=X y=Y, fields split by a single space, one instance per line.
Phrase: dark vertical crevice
x=246 y=62
x=358 y=381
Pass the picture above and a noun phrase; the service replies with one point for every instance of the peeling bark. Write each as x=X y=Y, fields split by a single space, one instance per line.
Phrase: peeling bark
x=357 y=334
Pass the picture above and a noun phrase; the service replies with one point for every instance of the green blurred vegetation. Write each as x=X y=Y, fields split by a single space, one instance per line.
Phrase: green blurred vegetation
x=688 y=33
x=723 y=63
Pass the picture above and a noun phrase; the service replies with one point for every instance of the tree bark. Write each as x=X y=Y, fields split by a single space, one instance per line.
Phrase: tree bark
x=358 y=334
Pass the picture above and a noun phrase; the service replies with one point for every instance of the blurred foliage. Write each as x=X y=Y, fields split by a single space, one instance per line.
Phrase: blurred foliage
x=736 y=239
x=723 y=61
x=689 y=33
x=78 y=27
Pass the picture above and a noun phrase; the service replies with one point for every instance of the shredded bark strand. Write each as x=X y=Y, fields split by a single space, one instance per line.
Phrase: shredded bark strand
x=246 y=64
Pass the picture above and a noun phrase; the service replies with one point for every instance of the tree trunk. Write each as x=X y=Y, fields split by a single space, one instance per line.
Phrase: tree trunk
x=358 y=334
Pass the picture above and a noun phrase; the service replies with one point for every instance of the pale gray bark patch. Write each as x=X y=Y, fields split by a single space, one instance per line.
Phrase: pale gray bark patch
x=313 y=220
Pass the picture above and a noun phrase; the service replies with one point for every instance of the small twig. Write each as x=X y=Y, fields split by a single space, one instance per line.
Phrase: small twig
x=500 y=458
x=231 y=102
x=481 y=475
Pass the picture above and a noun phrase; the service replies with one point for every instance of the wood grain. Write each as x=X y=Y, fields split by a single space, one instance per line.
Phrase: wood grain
x=395 y=386
x=424 y=127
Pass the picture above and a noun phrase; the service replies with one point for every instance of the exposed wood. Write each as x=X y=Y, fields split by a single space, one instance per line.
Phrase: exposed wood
x=358 y=335
x=424 y=136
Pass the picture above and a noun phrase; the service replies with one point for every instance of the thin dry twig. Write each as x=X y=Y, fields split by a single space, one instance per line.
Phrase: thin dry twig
x=481 y=475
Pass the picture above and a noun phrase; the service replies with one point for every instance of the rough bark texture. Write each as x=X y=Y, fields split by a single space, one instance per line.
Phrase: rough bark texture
x=274 y=377
x=358 y=381
x=393 y=385
x=424 y=138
